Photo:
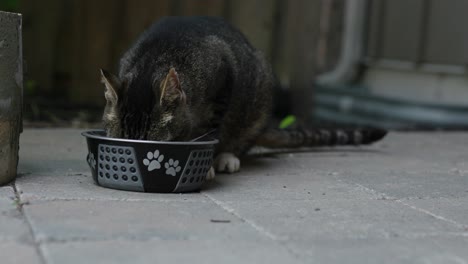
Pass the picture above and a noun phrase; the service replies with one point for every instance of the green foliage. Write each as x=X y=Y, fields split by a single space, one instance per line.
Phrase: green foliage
x=9 y=5
x=287 y=121
x=30 y=87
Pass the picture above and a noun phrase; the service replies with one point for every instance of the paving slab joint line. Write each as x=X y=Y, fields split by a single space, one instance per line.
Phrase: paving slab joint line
x=420 y=210
x=424 y=211
x=261 y=230
x=19 y=205
x=230 y=210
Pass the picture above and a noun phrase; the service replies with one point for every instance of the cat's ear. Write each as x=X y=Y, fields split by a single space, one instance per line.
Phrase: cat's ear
x=113 y=85
x=171 y=90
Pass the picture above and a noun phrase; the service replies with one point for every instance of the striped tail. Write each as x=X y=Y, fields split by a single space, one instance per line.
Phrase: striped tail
x=293 y=138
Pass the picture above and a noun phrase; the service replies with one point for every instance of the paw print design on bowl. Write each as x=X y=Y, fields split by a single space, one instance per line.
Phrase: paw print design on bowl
x=153 y=160
x=172 y=167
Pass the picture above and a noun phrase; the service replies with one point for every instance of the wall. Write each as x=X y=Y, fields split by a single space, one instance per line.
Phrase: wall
x=67 y=41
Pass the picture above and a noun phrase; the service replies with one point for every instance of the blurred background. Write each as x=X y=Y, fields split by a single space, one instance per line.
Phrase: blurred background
x=394 y=64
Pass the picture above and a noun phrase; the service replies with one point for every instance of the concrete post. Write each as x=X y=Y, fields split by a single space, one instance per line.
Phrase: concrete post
x=11 y=93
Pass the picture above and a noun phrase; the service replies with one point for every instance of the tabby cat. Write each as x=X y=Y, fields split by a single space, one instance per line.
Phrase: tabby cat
x=186 y=76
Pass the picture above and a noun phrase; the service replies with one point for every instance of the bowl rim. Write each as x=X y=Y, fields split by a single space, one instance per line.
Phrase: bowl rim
x=88 y=134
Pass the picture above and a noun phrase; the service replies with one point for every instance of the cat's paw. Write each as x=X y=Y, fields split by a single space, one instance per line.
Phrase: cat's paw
x=153 y=160
x=172 y=167
x=211 y=174
x=91 y=160
x=227 y=162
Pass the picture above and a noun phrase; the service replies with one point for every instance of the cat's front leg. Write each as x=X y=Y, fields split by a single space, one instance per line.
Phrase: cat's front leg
x=227 y=162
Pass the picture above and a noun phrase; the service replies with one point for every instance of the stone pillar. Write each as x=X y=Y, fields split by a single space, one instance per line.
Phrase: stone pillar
x=11 y=94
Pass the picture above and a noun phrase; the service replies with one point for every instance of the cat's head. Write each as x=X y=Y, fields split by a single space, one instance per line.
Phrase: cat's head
x=159 y=112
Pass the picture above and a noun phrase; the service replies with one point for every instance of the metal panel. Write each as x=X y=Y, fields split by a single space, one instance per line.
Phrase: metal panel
x=402 y=29
x=374 y=25
x=425 y=34
x=395 y=29
x=447 y=41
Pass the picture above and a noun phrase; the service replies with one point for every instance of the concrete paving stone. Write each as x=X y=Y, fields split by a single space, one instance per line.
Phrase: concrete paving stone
x=168 y=251
x=409 y=185
x=7 y=198
x=52 y=151
x=363 y=160
x=293 y=185
x=405 y=151
x=98 y=220
x=14 y=230
x=453 y=209
x=293 y=176
x=395 y=177
x=420 y=174
x=80 y=186
x=18 y=253
x=327 y=205
x=340 y=219
x=13 y=226
x=433 y=146
x=437 y=250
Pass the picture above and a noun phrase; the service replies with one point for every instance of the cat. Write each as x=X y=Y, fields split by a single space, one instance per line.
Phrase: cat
x=186 y=76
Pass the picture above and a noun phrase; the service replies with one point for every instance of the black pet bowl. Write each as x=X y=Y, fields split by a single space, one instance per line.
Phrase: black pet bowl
x=149 y=166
